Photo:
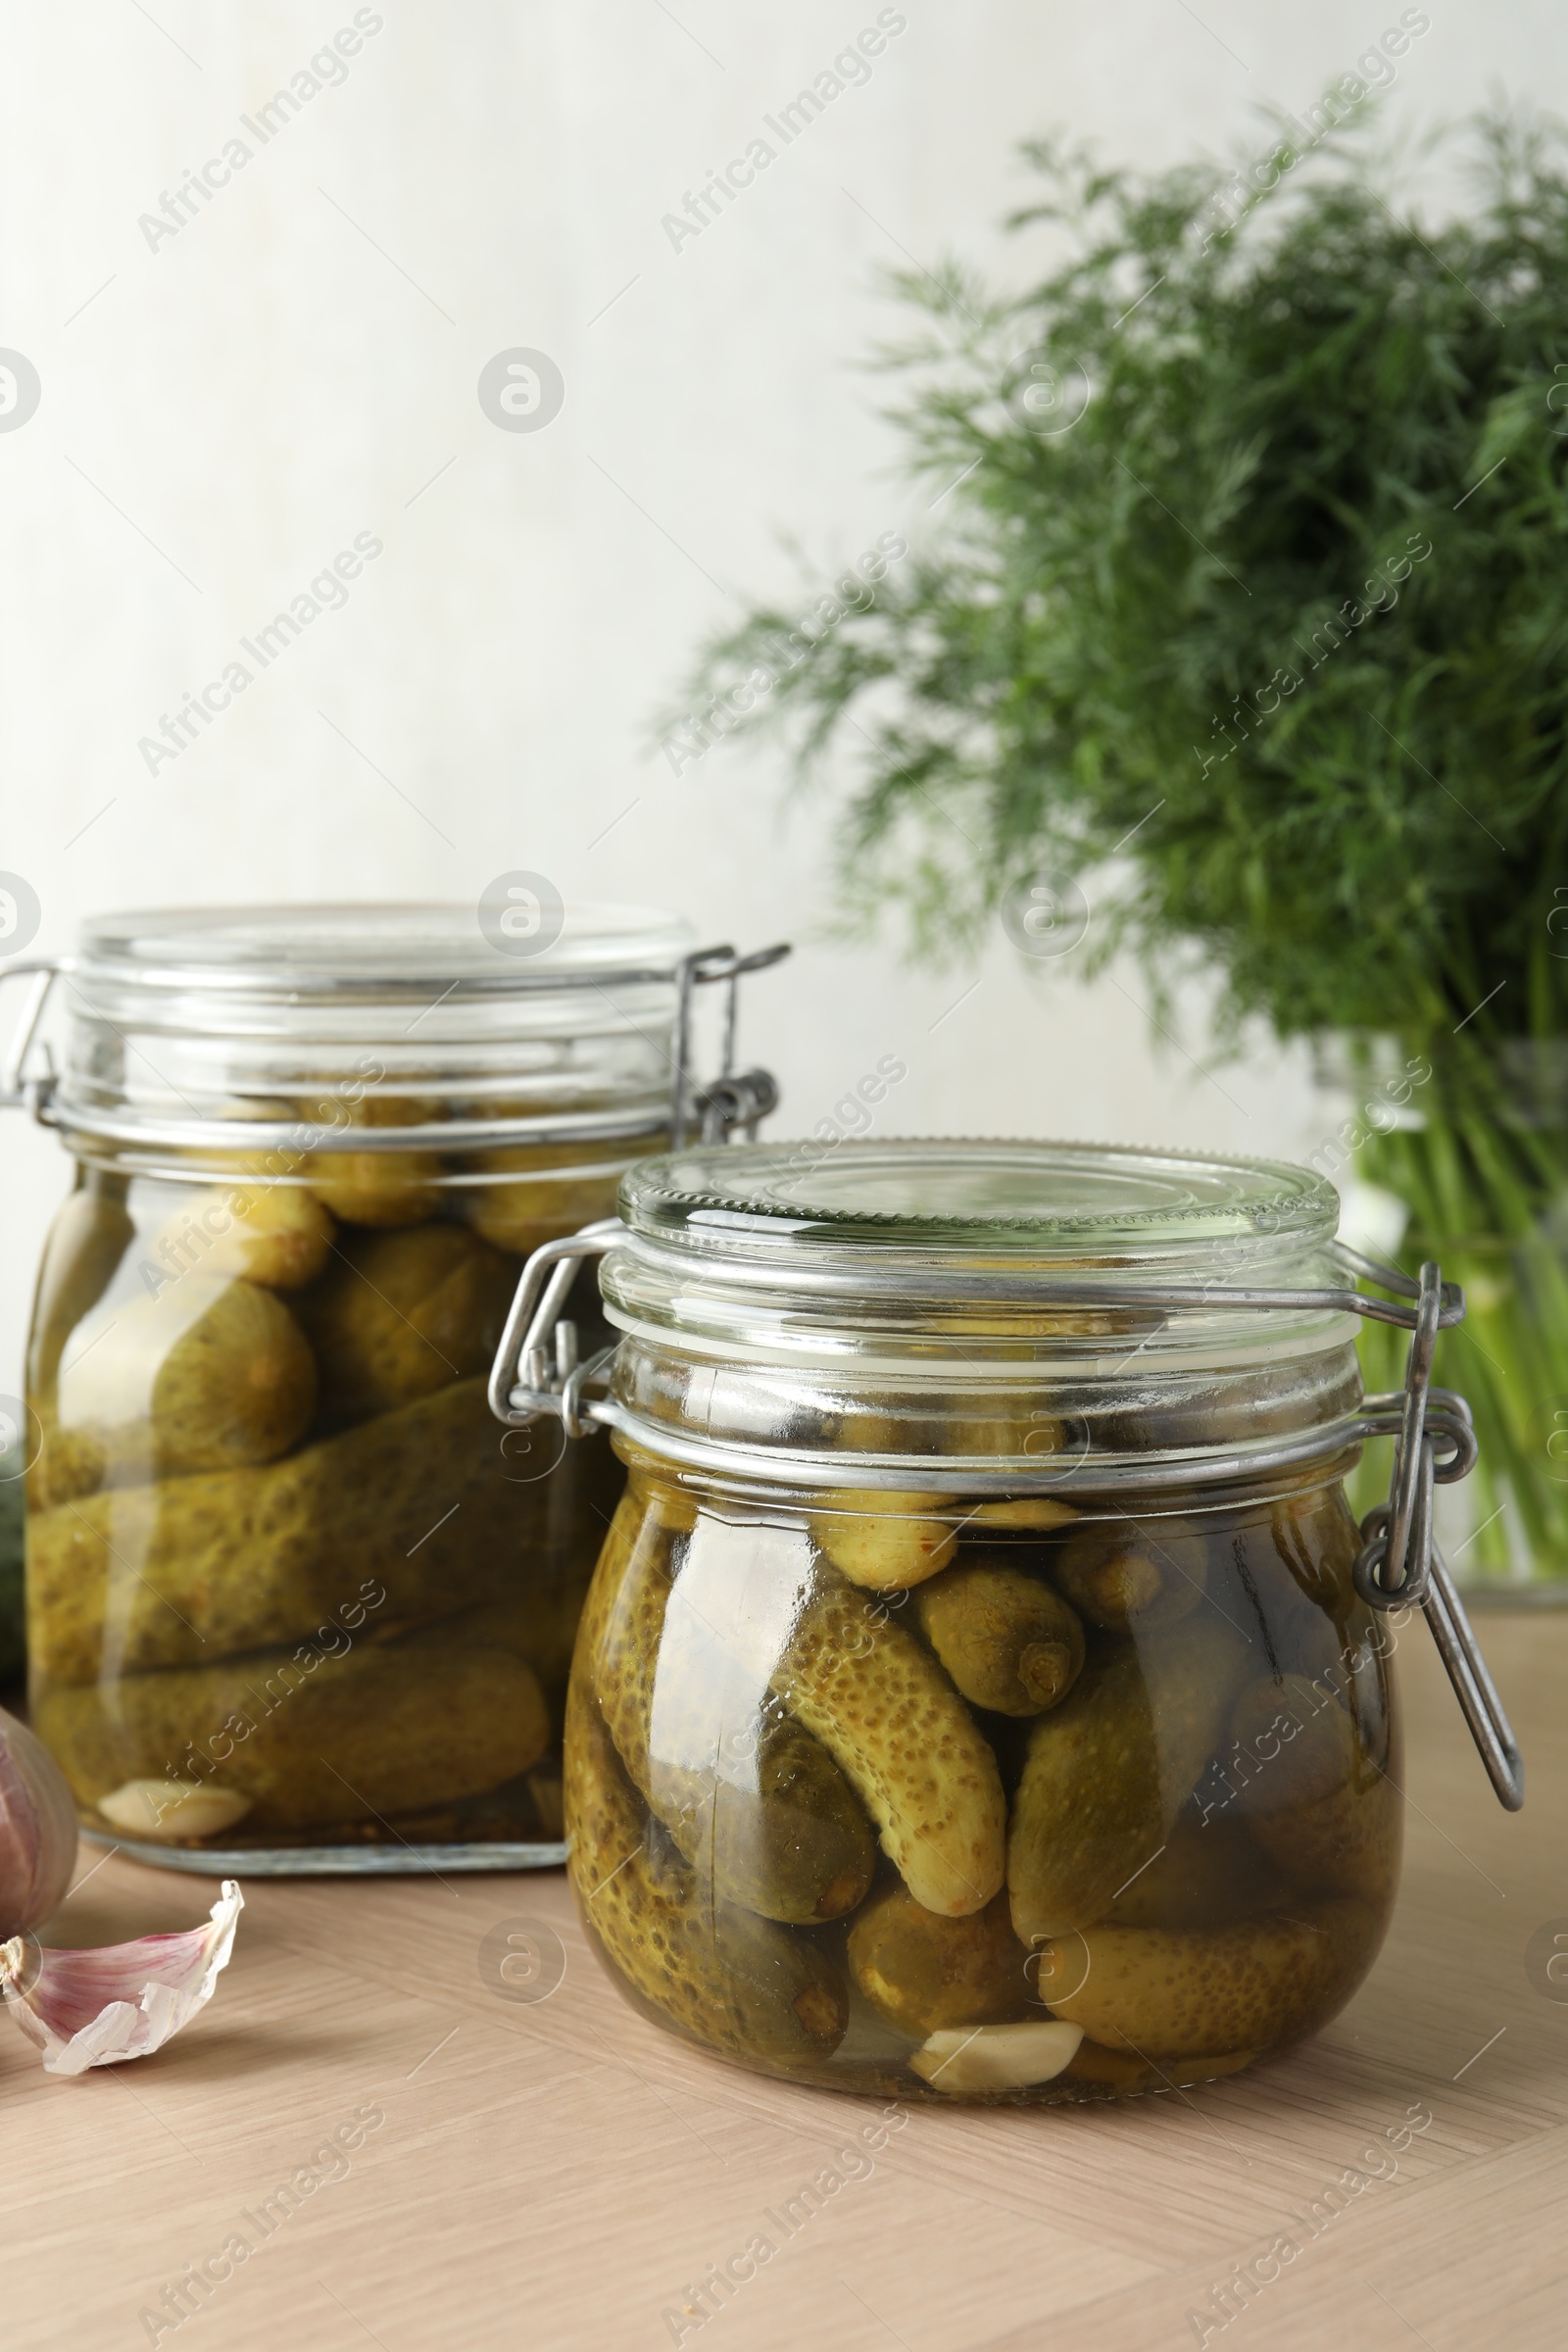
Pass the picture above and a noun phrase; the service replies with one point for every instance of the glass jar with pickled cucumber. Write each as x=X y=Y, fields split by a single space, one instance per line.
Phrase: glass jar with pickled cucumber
x=984 y=1691
x=293 y=1602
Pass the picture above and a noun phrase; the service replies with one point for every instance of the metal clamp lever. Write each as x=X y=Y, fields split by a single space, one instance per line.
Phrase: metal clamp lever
x=1448 y=1426
x=1400 y=1565
x=1473 y=1685
x=740 y=1100
x=718 y=1109
x=1397 y=1566
x=17 y=1088
x=524 y=1386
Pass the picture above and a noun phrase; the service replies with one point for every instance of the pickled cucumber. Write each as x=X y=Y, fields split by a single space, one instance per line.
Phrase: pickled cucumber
x=1297 y=1741
x=879 y=1704
x=885 y=1542
x=1162 y=1992
x=73 y=1461
x=1132 y=1577
x=892 y=1720
x=1317 y=1802
x=276 y=1233
x=1315 y=1533
x=374 y=1188
x=1023 y=1511
x=1209 y=1872
x=924 y=1972
x=87 y=1242
x=723 y=1978
x=559 y=1189
x=1010 y=1642
x=546 y=1578
x=757 y=1806
x=1122 y=2074
x=395 y=1315
x=422 y=1721
x=1108 y=1771
x=185 y=1572
x=1290 y=1570
x=1348 y=1842
x=621 y=1622
x=207 y=1375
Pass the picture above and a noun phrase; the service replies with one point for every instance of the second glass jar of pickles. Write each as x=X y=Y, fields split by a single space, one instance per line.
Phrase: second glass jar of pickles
x=293 y=1602
x=974 y=1699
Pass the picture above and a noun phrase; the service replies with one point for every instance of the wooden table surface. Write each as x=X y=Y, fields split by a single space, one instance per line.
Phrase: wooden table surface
x=555 y=2173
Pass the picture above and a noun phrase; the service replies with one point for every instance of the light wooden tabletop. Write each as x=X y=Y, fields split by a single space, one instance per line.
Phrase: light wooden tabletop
x=554 y=2173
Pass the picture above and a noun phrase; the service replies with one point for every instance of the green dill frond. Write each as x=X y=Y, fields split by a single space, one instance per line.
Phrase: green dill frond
x=1261 y=523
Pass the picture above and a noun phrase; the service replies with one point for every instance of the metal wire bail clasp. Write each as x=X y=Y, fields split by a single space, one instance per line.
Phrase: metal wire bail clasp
x=735 y=1099
x=18 y=1089
x=536 y=1375
x=1400 y=1565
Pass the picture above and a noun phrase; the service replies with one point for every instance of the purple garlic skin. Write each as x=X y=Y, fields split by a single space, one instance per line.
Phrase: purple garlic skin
x=124 y=2000
x=37 y=1830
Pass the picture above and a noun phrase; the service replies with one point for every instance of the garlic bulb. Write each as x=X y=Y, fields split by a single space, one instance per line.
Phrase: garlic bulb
x=86 y=2008
x=37 y=1829
x=125 y=2000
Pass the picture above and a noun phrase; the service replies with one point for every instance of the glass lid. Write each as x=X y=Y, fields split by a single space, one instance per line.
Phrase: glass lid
x=933 y=1298
x=526 y=939
x=1014 y=1205
x=514 y=1015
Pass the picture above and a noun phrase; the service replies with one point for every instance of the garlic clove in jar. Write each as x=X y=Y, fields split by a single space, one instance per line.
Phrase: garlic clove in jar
x=96 y=2008
x=37 y=1829
x=994 y=2057
x=154 y=1808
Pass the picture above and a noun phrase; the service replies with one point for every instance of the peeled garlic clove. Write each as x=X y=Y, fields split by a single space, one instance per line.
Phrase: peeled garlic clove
x=125 y=2000
x=994 y=2057
x=37 y=1829
x=172 y=1808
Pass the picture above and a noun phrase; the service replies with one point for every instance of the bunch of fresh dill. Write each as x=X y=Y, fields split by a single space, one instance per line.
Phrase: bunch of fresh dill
x=1248 y=604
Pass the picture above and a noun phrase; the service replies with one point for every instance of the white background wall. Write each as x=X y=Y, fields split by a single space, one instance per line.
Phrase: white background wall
x=221 y=415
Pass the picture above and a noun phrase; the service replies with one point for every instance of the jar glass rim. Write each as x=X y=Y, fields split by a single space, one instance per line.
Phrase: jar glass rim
x=1010 y=1204
x=307 y=947
x=188 y=1026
